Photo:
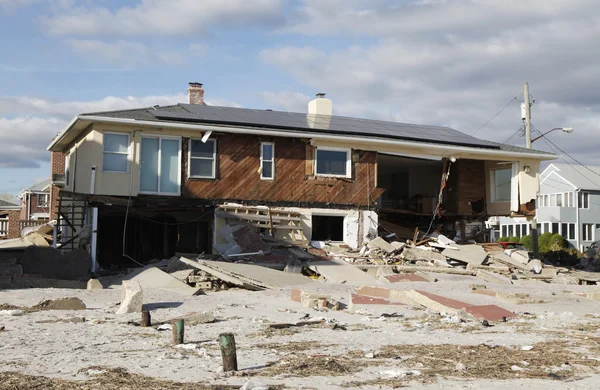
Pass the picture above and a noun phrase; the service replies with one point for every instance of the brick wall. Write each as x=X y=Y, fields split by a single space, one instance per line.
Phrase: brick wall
x=466 y=184
x=24 y=207
x=57 y=166
x=13 y=224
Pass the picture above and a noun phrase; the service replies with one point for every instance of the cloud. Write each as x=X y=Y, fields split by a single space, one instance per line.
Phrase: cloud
x=454 y=63
x=285 y=101
x=27 y=124
x=163 y=17
x=125 y=53
x=198 y=49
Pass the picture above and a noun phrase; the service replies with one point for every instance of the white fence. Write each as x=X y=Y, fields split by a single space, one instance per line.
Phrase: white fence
x=3 y=227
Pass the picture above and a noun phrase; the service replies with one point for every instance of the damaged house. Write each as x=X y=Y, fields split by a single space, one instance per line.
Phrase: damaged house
x=147 y=183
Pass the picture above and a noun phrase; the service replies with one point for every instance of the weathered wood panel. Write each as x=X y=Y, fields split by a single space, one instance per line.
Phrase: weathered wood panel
x=238 y=175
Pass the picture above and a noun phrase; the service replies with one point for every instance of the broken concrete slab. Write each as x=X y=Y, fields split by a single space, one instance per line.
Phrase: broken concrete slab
x=33 y=239
x=408 y=277
x=252 y=277
x=182 y=275
x=492 y=277
x=152 y=277
x=469 y=254
x=398 y=245
x=489 y=312
x=131 y=297
x=438 y=303
x=94 y=284
x=339 y=271
x=175 y=264
x=194 y=318
x=509 y=261
x=314 y=300
x=522 y=256
x=514 y=298
x=382 y=244
x=359 y=302
x=418 y=254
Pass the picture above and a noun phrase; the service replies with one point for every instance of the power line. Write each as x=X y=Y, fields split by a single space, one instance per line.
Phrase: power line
x=498 y=113
x=513 y=135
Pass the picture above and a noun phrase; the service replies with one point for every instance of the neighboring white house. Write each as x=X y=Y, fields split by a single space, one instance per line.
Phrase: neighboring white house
x=568 y=204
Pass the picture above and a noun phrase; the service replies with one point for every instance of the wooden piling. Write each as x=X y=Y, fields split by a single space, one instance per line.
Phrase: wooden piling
x=146 y=319
x=177 y=327
x=228 y=351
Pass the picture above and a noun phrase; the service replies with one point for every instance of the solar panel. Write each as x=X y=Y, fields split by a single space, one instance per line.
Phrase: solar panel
x=318 y=123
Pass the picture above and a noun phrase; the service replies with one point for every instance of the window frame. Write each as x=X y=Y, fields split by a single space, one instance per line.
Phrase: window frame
x=159 y=162
x=104 y=152
x=584 y=235
x=45 y=203
x=214 y=159
x=583 y=195
x=571 y=227
x=272 y=161
x=348 y=151
x=493 y=198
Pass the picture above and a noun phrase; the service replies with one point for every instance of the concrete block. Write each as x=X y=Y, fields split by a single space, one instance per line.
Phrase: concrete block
x=417 y=254
x=131 y=297
x=535 y=266
x=314 y=301
x=470 y=254
x=382 y=244
x=94 y=284
x=492 y=277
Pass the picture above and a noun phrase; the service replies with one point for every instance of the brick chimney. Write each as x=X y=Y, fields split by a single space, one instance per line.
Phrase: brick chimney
x=195 y=93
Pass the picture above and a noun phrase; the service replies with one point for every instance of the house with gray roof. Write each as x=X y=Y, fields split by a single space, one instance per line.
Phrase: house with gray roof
x=35 y=201
x=568 y=204
x=9 y=219
x=180 y=178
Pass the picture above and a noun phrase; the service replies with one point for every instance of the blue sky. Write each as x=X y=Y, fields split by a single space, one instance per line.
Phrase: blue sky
x=454 y=63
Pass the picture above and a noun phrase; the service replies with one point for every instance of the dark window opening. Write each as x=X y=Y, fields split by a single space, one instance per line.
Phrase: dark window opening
x=327 y=228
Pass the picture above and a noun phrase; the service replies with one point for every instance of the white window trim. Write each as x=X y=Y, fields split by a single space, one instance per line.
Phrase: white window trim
x=214 y=160
x=493 y=186
x=348 y=151
x=161 y=137
x=272 y=161
x=589 y=237
x=105 y=152
x=580 y=206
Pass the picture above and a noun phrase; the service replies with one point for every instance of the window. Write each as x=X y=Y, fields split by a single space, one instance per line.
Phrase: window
x=546 y=201
x=504 y=230
x=203 y=156
x=559 y=200
x=524 y=229
x=586 y=232
x=42 y=200
x=571 y=231
x=116 y=152
x=501 y=188
x=564 y=230
x=518 y=231
x=553 y=200
x=570 y=202
x=546 y=227
x=160 y=165
x=583 y=200
x=267 y=161
x=554 y=227
x=333 y=162
x=510 y=230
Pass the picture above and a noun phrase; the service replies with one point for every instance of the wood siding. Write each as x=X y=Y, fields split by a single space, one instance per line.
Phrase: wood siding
x=466 y=184
x=238 y=177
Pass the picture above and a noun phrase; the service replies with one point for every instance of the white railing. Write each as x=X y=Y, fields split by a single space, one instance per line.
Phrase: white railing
x=3 y=227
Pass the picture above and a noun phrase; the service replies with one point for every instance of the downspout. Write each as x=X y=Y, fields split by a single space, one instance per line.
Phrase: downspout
x=577 y=227
x=29 y=206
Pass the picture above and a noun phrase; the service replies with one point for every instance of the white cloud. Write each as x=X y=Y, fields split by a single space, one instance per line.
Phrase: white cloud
x=125 y=53
x=286 y=101
x=163 y=17
x=455 y=63
x=27 y=124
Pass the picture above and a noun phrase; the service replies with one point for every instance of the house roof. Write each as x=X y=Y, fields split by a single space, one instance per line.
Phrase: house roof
x=293 y=123
x=39 y=187
x=579 y=176
x=4 y=204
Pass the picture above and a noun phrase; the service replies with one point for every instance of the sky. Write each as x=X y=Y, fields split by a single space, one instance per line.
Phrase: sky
x=457 y=63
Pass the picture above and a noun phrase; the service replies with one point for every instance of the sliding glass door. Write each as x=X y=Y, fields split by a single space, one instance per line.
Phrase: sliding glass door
x=160 y=165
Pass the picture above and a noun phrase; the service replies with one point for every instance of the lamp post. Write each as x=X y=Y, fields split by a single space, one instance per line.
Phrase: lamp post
x=565 y=129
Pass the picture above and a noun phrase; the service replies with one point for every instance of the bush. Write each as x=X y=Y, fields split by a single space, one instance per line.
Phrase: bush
x=544 y=242
x=557 y=242
x=527 y=242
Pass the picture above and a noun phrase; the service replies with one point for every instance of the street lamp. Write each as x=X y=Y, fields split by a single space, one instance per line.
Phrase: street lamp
x=565 y=129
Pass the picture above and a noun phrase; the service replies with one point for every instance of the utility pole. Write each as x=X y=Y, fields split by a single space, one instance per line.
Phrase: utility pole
x=527 y=116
